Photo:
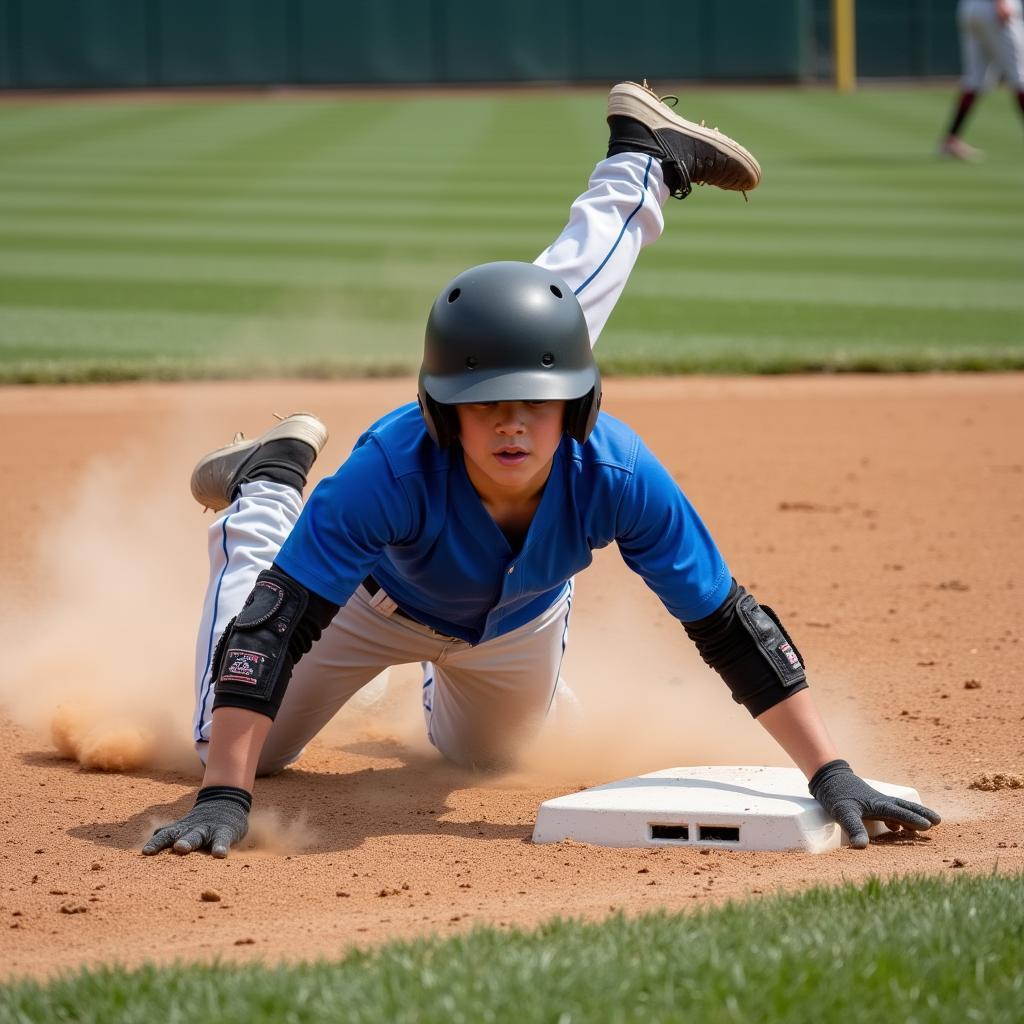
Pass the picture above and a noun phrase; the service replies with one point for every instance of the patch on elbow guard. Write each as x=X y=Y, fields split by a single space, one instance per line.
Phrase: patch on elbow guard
x=772 y=640
x=249 y=658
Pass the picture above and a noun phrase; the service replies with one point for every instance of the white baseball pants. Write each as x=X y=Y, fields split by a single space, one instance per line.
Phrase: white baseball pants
x=479 y=701
x=988 y=47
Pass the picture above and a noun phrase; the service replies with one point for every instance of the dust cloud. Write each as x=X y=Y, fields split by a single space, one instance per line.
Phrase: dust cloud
x=99 y=650
x=100 y=655
x=271 y=832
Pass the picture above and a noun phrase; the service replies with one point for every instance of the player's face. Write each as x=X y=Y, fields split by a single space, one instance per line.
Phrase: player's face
x=510 y=443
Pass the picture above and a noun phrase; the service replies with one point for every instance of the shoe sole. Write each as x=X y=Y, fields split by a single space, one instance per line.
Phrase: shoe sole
x=213 y=473
x=975 y=157
x=627 y=99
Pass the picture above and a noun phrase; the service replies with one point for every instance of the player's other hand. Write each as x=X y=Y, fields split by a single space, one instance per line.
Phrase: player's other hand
x=1003 y=11
x=219 y=820
x=849 y=800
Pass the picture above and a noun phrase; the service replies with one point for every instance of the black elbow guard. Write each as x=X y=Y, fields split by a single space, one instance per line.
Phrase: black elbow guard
x=278 y=623
x=749 y=648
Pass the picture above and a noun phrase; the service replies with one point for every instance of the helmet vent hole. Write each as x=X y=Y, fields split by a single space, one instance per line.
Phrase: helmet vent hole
x=454 y=294
x=556 y=291
x=547 y=359
x=472 y=362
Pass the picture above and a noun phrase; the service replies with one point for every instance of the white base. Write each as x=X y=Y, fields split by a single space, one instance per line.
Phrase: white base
x=723 y=807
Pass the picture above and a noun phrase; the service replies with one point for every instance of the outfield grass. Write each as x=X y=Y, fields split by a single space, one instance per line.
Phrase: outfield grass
x=916 y=951
x=296 y=234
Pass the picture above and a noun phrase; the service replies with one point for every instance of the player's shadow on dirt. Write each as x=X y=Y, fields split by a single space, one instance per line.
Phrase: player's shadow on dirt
x=337 y=811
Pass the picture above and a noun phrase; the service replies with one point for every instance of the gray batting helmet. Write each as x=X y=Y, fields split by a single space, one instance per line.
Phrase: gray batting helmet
x=507 y=332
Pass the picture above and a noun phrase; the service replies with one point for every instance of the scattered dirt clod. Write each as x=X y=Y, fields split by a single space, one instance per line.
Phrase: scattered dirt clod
x=210 y=896
x=991 y=783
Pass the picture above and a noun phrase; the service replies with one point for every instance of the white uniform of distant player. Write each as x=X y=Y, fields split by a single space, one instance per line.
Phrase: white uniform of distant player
x=992 y=48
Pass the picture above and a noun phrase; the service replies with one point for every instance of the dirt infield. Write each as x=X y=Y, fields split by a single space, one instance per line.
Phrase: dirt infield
x=881 y=517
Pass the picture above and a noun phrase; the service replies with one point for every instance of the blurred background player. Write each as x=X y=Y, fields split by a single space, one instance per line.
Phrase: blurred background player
x=991 y=42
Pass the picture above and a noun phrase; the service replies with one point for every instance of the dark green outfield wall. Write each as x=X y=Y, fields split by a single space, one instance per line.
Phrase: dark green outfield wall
x=142 y=43
x=895 y=38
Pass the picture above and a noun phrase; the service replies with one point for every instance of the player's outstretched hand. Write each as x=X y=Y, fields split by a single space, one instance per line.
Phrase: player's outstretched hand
x=849 y=800
x=219 y=820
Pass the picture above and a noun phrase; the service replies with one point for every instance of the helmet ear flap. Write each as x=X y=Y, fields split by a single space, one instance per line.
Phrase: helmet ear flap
x=581 y=415
x=442 y=420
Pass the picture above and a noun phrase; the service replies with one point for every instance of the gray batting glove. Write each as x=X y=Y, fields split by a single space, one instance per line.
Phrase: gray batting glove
x=849 y=800
x=219 y=820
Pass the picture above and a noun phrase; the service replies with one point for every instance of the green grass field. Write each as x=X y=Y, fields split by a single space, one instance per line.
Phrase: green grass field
x=294 y=234
x=916 y=951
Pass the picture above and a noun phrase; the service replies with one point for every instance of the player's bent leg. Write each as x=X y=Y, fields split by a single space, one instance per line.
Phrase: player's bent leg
x=256 y=485
x=243 y=541
x=360 y=643
x=484 y=703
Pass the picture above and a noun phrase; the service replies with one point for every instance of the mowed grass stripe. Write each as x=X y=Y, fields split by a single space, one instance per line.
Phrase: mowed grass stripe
x=927 y=178
x=833 y=320
x=446 y=208
x=499 y=229
x=28 y=190
x=751 y=251
x=731 y=251
x=26 y=187
x=41 y=345
x=629 y=351
x=388 y=296
x=778 y=284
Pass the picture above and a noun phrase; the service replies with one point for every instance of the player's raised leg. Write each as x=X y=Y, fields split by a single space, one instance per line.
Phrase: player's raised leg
x=652 y=153
x=257 y=488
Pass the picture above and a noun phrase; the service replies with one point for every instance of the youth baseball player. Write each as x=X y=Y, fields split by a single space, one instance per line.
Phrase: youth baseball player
x=991 y=45
x=452 y=533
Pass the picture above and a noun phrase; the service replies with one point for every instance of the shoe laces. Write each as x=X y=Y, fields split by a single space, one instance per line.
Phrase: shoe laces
x=663 y=99
x=686 y=183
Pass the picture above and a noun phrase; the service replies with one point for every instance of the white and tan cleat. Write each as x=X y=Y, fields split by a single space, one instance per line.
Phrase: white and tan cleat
x=218 y=474
x=697 y=154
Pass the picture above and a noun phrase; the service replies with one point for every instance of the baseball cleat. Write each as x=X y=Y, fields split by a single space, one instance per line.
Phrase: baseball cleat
x=954 y=148
x=691 y=154
x=218 y=475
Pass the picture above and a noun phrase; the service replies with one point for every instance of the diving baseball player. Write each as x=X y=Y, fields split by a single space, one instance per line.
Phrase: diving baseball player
x=453 y=532
x=991 y=45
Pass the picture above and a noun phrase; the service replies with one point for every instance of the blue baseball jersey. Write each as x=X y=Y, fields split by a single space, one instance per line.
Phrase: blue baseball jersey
x=405 y=511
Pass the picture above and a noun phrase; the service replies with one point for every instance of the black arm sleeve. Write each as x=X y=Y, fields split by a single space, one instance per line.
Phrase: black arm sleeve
x=279 y=623
x=745 y=643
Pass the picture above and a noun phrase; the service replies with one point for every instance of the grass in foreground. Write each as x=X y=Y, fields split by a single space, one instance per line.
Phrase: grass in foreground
x=922 y=950
x=307 y=235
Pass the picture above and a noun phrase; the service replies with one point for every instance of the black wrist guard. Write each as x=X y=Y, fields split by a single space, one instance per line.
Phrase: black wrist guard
x=745 y=643
x=235 y=794
x=255 y=655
